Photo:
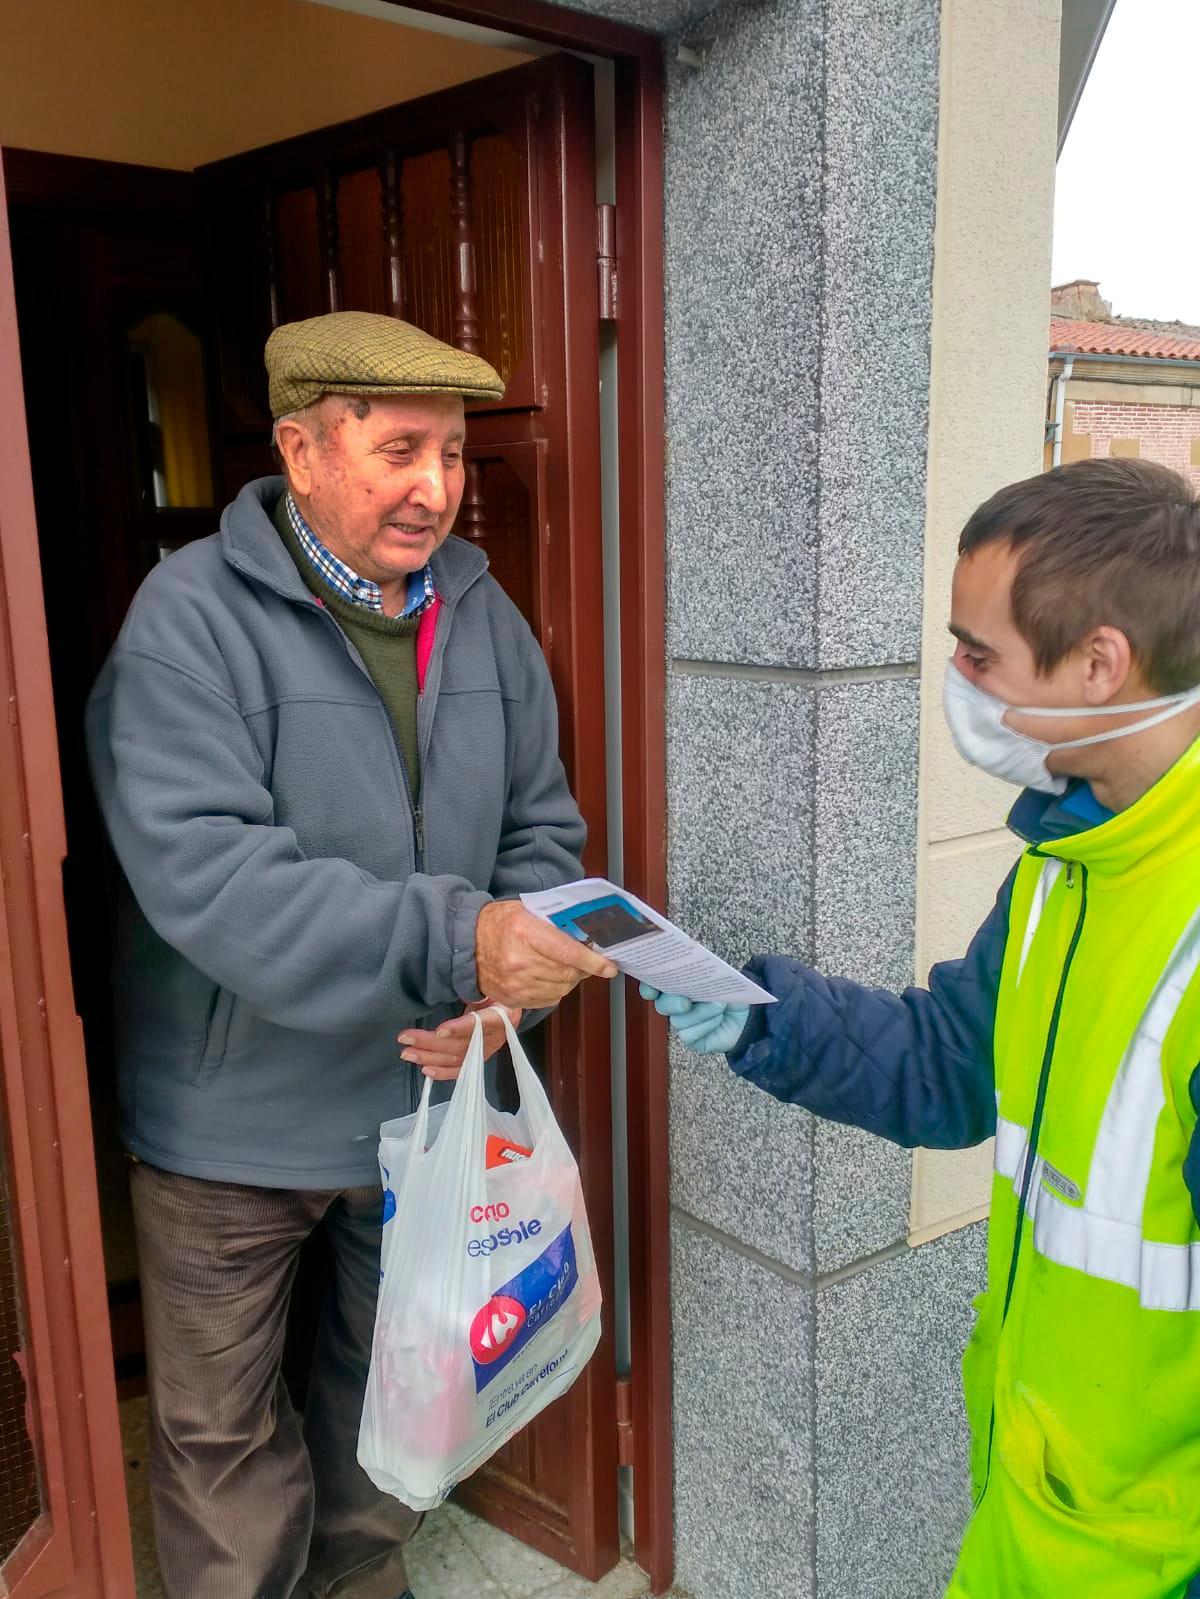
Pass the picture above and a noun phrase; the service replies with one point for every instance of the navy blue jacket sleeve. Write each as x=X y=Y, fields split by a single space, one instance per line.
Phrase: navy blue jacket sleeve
x=915 y=1067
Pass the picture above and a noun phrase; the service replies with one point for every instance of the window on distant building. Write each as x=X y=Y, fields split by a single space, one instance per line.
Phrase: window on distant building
x=1130 y=448
x=1196 y=450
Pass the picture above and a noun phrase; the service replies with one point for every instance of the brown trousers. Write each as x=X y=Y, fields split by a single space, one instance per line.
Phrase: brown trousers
x=247 y=1505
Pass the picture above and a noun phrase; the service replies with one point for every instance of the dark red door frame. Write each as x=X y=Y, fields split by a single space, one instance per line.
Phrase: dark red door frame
x=637 y=58
x=640 y=336
x=80 y=1543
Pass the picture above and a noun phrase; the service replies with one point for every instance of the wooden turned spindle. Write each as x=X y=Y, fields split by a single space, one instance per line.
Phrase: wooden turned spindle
x=466 y=319
x=471 y=517
x=272 y=259
x=327 y=229
x=393 y=234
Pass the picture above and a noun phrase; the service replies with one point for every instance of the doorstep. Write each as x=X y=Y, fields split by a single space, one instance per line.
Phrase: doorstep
x=454 y=1556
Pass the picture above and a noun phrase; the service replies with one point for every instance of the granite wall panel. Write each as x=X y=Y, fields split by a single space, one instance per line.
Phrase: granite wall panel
x=864 y=850
x=743 y=287
x=743 y=1425
x=892 y=1492
x=741 y=1161
x=740 y=796
x=793 y=821
x=865 y=830
x=880 y=151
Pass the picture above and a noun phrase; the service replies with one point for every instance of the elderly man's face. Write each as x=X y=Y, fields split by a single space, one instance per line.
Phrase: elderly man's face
x=379 y=482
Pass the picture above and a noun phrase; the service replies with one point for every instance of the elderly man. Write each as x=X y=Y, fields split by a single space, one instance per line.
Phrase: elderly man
x=326 y=749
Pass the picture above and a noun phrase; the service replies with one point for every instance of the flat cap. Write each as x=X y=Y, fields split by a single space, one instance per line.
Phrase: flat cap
x=360 y=352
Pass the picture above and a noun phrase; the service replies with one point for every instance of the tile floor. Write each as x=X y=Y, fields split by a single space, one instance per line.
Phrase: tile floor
x=454 y=1556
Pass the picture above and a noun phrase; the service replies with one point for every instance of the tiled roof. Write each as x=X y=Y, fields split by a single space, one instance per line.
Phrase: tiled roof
x=1112 y=338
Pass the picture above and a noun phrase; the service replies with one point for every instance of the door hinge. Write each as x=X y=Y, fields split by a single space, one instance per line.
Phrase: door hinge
x=607 y=274
x=624 y=1422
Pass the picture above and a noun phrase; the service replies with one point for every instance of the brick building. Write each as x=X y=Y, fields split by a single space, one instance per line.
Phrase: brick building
x=1120 y=386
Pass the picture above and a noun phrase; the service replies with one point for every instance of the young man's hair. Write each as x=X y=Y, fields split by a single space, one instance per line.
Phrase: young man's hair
x=1103 y=543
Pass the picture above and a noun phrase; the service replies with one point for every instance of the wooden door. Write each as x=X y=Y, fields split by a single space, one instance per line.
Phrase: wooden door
x=62 y=1504
x=472 y=213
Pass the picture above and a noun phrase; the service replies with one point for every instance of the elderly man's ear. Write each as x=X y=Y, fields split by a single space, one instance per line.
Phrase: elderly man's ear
x=297 y=438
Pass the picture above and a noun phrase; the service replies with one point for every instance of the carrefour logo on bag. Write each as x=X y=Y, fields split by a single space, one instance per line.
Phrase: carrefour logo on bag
x=494 y=1328
x=521 y=1307
x=519 y=1233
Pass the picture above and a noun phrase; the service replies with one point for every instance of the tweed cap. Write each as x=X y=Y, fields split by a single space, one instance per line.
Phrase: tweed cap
x=360 y=352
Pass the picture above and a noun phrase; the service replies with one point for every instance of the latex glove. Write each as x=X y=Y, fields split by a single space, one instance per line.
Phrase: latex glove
x=703 y=1025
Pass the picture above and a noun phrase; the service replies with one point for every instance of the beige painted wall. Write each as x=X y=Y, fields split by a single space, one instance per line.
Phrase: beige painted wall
x=996 y=142
x=177 y=85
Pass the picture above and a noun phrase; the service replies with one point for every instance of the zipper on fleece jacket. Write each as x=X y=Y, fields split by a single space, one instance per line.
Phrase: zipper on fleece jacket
x=414 y=808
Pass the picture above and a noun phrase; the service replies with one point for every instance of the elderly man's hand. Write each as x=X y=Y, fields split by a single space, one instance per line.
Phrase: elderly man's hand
x=522 y=960
x=440 y=1054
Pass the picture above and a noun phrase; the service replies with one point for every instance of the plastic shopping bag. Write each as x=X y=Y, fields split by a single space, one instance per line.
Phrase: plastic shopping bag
x=489 y=1299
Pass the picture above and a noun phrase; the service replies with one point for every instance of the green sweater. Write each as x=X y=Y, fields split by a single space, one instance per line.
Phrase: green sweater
x=387 y=644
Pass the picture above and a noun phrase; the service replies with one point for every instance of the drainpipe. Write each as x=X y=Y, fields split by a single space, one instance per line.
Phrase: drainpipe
x=1060 y=406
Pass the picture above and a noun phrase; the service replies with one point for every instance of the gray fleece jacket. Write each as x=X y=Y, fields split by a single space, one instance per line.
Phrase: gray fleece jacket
x=289 y=913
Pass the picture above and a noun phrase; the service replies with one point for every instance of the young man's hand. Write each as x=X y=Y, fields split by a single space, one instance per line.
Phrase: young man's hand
x=704 y=1026
x=440 y=1054
x=522 y=960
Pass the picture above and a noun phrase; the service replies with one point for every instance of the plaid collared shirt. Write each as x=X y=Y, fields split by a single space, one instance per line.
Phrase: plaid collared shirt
x=346 y=582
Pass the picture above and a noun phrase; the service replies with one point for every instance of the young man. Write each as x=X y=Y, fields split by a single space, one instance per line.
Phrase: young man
x=1071 y=1030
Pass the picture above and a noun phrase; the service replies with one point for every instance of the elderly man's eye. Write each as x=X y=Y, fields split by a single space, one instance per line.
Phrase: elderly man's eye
x=452 y=458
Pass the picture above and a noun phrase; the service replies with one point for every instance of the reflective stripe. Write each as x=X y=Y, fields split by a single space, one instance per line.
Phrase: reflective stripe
x=1124 y=1151
x=1012 y=1151
x=1041 y=893
x=1011 y=1142
x=1166 y=1276
x=1103 y=1237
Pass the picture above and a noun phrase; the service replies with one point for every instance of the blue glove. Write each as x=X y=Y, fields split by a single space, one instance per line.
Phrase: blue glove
x=704 y=1026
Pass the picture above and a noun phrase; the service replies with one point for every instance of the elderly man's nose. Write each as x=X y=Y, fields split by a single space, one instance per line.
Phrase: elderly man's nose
x=430 y=488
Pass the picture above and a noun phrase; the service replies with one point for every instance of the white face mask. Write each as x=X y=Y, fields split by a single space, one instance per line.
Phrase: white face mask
x=982 y=736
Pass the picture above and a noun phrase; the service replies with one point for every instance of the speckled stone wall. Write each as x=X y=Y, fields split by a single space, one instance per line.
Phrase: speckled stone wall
x=801 y=171
x=820 y=1447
